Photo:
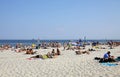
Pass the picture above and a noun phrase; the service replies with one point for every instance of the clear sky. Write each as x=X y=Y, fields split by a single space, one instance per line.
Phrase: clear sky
x=59 y=19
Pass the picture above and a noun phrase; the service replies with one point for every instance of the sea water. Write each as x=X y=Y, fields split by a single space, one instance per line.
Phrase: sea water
x=29 y=42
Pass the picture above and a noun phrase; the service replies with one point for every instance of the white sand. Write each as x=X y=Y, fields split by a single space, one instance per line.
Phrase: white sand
x=67 y=65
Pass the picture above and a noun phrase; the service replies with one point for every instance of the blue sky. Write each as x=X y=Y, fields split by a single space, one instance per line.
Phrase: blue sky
x=59 y=19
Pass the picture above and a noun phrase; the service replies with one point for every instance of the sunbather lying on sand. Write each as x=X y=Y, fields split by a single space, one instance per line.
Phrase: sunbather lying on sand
x=48 y=55
x=45 y=56
x=81 y=52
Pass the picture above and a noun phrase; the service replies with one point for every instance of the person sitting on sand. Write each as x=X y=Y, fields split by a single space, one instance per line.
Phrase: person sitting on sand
x=30 y=51
x=108 y=58
x=58 y=52
x=53 y=52
x=49 y=55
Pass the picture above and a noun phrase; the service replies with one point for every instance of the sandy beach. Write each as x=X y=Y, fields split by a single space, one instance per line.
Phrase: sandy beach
x=68 y=64
x=59 y=38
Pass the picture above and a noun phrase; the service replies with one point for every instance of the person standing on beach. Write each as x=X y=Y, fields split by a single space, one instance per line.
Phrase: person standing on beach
x=64 y=45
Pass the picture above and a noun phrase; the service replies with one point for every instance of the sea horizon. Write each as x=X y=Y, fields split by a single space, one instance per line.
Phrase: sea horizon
x=60 y=39
x=13 y=42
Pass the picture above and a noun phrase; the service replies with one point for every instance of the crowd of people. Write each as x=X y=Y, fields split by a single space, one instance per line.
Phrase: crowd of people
x=51 y=54
x=56 y=45
x=5 y=47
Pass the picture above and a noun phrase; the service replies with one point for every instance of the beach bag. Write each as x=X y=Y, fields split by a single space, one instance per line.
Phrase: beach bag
x=101 y=60
x=97 y=58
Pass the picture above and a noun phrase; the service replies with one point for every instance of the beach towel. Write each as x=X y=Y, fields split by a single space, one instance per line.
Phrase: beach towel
x=109 y=64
